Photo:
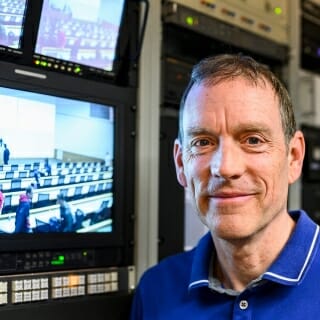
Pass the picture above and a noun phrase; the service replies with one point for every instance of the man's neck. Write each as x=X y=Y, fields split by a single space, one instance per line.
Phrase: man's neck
x=240 y=261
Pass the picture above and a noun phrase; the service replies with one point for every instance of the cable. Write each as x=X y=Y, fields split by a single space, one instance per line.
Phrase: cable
x=143 y=29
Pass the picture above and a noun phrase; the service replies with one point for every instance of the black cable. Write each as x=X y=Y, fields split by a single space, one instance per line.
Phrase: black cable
x=143 y=29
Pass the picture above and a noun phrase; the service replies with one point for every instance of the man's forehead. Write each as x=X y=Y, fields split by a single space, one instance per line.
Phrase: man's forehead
x=231 y=104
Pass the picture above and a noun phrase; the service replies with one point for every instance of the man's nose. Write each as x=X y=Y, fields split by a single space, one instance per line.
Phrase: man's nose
x=227 y=161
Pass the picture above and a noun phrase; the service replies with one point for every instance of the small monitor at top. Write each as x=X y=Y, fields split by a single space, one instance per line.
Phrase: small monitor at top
x=81 y=32
x=12 y=19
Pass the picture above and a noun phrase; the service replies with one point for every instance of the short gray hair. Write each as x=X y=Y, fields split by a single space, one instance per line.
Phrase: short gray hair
x=224 y=67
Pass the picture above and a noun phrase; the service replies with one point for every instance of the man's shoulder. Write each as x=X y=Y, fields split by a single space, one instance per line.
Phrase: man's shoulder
x=172 y=268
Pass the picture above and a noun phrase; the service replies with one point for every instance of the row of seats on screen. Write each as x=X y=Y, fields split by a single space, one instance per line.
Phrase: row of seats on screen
x=45 y=197
x=102 y=213
x=20 y=167
x=54 y=172
x=71 y=193
x=12 y=6
x=77 y=170
x=22 y=184
x=55 y=165
x=77 y=29
x=11 y=20
x=16 y=184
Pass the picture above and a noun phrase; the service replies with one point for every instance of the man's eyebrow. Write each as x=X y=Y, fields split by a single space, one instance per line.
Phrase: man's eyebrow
x=239 y=129
x=196 y=131
x=253 y=127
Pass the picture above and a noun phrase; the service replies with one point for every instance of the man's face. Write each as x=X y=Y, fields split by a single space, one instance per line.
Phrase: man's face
x=233 y=159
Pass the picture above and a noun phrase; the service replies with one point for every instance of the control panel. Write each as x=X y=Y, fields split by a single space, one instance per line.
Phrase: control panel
x=51 y=286
x=55 y=260
x=266 y=18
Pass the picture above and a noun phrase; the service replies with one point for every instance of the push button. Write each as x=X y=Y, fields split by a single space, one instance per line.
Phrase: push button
x=243 y=304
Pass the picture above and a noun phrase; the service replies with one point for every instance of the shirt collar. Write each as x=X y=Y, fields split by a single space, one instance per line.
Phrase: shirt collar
x=289 y=268
x=201 y=262
x=298 y=254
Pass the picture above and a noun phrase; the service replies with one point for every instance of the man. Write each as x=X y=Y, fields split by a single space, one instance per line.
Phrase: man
x=1 y=151
x=66 y=218
x=6 y=154
x=47 y=167
x=237 y=152
x=22 y=222
x=2 y=197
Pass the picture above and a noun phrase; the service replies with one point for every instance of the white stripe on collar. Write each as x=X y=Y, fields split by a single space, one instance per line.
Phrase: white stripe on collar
x=304 y=265
x=316 y=234
x=192 y=284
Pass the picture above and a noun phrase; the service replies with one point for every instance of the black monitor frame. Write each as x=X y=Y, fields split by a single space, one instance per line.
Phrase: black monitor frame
x=108 y=249
x=125 y=64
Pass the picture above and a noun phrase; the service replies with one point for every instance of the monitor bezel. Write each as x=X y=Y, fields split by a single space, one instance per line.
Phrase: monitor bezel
x=124 y=100
x=86 y=69
x=4 y=49
x=126 y=49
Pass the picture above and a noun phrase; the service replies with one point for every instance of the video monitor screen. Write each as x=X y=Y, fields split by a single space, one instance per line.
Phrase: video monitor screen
x=80 y=31
x=12 y=17
x=62 y=150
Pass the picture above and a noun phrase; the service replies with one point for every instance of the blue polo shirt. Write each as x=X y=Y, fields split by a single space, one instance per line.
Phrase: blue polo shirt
x=182 y=286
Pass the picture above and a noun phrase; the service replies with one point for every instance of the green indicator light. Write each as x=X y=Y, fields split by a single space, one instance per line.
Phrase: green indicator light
x=43 y=63
x=85 y=253
x=58 y=261
x=77 y=70
x=37 y=62
x=277 y=11
x=190 y=21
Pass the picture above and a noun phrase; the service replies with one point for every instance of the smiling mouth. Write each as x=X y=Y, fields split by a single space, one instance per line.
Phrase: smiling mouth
x=231 y=197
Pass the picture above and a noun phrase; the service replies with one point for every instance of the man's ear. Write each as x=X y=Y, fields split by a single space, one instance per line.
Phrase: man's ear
x=177 y=154
x=296 y=156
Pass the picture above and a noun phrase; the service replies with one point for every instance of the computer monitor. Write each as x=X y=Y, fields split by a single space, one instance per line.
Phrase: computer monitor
x=71 y=120
x=80 y=34
x=95 y=40
x=12 y=19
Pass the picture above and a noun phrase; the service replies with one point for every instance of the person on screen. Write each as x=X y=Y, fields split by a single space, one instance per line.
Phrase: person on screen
x=108 y=160
x=22 y=220
x=66 y=217
x=36 y=175
x=1 y=151
x=3 y=35
x=6 y=154
x=237 y=152
x=12 y=39
x=47 y=167
x=44 y=172
x=2 y=196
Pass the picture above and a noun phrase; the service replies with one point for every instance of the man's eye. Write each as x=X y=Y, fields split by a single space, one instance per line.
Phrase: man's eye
x=201 y=143
x=253 y=140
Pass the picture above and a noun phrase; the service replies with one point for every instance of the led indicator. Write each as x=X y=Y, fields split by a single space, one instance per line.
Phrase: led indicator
x=58 y=261
x=77 y=70
x=190 y=21
x=37 y=62
x=277 y=11
x=43 y=63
